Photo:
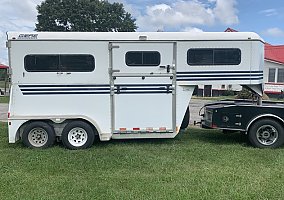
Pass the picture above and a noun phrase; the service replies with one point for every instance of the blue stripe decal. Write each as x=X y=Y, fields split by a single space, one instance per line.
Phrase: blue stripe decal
x=95 y=89
x=220 y=79
x=221 y=72
x=142 y=85
x=63 y=89
x=40 y=86
x=60 y=93
x=219 y=75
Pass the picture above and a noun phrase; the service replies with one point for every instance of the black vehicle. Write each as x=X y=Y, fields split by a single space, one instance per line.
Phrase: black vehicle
x=264 y=123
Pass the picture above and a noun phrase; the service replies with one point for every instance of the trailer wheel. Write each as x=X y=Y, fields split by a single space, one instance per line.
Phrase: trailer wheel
x=38 y=135
x=78 y=135
x=266 y=133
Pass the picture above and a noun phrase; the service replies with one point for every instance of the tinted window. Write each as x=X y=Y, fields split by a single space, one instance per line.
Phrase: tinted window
x=227 y=56
x=59 y=63
x=200 y=57
x=142 y=58
x=46 y=63
x=222 y=56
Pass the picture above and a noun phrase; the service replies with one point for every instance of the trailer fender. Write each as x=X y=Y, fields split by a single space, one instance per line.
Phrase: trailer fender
x=86 y=119
x=55 y=120
x=269 y=116
x=185 y=121
x=14 y=129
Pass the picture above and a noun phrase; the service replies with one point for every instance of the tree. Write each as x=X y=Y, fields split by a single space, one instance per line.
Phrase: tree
x=83 y=15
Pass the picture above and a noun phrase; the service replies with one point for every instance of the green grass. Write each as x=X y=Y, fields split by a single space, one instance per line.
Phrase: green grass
x=4 y=99
x=198 y=164
x=3 y=84
x=214 y=98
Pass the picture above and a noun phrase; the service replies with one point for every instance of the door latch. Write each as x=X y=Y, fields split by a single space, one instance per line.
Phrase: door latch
x=168 y=67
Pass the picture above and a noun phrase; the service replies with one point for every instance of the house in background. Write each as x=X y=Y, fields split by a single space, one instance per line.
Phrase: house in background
x=4 y=79
x=273 y=74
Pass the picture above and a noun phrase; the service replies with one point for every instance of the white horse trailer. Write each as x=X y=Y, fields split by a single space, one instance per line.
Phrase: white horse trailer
x=74 y=86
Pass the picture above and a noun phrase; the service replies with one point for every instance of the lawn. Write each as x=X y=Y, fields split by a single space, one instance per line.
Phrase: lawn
x=218 y=98
x=198 y=164
x=4 y=99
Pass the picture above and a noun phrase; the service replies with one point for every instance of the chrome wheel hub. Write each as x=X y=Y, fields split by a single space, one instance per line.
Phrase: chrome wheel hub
x=267 y=135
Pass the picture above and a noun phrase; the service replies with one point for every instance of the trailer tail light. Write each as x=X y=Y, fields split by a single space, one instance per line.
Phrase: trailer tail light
x=9 y=115
x=162 y=129
x=136 y=129
x=122 y=129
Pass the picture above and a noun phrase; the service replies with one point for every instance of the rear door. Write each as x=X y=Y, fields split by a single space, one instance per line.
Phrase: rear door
x=143 y=77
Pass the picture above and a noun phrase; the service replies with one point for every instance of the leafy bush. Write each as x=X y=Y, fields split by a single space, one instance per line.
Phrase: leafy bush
x=228 y=93
x=244 y=94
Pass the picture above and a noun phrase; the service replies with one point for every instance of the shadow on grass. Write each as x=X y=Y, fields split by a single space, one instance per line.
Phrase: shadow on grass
x=190 y=136
x=217 y=137
x=135 y=141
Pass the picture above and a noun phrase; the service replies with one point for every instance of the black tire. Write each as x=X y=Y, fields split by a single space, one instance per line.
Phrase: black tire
x=77 y=135
x=185 y=121
x=266 y=133
x=38 y=134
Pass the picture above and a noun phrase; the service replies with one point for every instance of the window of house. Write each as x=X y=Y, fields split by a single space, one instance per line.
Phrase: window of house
x=280 y=77
x=214 y=56
x=59 y=63
x=142 y=58
x=271 y=75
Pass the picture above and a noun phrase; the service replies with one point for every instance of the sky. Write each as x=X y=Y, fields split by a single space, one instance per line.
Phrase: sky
x=264 y=17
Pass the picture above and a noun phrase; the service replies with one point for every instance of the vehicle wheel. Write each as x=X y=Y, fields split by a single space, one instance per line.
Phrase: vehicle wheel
x=266 y=133
x=185 y=121
x=38 y=135
x=78 y=135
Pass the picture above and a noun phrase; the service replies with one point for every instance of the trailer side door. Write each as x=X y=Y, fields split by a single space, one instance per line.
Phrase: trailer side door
x=142 y=77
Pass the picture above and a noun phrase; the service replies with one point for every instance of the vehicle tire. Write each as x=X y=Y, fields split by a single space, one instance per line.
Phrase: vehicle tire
x=77 y=135
x=38 y=134
x=185 y=121
x=266 y=133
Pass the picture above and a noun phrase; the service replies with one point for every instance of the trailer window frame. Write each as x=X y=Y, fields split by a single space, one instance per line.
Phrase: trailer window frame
x=214 y=56
x=59 y=63
x=142 y=58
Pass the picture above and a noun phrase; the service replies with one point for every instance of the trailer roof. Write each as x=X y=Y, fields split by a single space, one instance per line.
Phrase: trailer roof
x=133 y=36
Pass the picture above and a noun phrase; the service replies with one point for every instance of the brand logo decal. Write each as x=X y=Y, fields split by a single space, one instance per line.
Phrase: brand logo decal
x=27 y=36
